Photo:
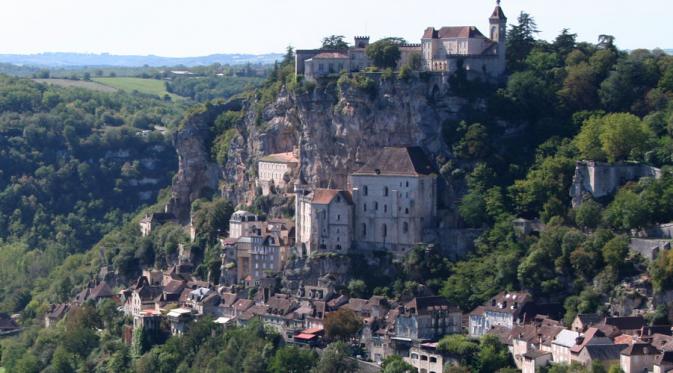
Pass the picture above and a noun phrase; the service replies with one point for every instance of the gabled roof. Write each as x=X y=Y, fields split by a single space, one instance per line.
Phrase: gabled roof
x=325 y=196
x=639 y=349
x=604 y=352
x=398 y=161
x=425 y=305
x=102 y=290
x=453 y=32
x=626 y=323
x=566 y=338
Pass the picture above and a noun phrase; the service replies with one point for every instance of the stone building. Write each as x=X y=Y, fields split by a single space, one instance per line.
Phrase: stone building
x=426 y=358
x=504 y=310
x=427 y=319
x=395 y=197
x=446 y=50
x=597 y=179
x=275 y=170
x=242 y=223
x=154 y=220
x=256 y=255
x=450 y=48
x=323 y=220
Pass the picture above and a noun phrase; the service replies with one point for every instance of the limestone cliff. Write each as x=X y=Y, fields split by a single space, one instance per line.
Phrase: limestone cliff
x=336 y=126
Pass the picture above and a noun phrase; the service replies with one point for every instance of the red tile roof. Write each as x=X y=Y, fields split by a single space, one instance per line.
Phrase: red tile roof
x=325 y=196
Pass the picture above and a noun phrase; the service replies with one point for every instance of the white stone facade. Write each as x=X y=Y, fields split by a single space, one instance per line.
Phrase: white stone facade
x=274 y=169
x=242 y=223
x=395 y=201
x=324 y=219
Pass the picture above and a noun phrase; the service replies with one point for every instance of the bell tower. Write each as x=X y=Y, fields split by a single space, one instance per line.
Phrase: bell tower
x=498 y=24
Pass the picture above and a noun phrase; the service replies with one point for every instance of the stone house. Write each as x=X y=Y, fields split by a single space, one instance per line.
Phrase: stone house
x=562 y=344
x=140 y=296
x=179 y=320
x=327 y=64
x=427 y=359
x=154 y=220
x=323 y=220
x=638 y=357
x=395 y=196
x=535 y=359
x=663 y=363
x=505 y=310
x=582 y=322
x=275 y=170
x=55 y=313
x=428 y=319
x=256 y=255
x=94 y=292
x=244 y=223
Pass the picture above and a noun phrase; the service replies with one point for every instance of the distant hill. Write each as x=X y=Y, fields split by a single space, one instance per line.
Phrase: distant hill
x=669 y=51
x=58 y=59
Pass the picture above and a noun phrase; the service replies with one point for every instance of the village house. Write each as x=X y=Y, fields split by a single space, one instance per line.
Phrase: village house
x=323 y=220
x=244 y=223
x=94 y=292
x=427 y=359
x=55 y=313
x=179 y=319
x=445 y=50
x=154 y=220
x=562 y=344
x=139 y=297
x=275 y=171
x=505 y=310
x=428 y=319
x=395 y=197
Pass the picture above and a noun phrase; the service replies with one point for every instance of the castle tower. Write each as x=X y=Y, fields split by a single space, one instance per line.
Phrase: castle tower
x=498 y=31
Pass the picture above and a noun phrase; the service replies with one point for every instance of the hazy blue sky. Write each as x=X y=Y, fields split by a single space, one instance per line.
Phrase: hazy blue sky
x=199 y=27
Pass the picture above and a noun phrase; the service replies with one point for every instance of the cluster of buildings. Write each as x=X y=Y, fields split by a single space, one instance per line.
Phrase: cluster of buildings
x=446 y=49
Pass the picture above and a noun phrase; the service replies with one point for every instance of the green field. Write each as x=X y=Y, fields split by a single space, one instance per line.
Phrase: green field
x=148 y=86
x=94 y=86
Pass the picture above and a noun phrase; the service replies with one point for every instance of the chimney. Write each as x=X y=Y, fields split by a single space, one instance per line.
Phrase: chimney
x=579 y=340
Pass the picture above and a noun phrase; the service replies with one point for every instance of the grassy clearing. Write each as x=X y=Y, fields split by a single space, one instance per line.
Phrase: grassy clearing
x=148 y=86
x=94 y=86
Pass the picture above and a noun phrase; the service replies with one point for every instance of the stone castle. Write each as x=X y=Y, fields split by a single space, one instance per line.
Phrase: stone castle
x=446 y=50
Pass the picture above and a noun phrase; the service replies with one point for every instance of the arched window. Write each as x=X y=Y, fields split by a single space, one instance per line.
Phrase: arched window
x=385 y=191
x=385 y=231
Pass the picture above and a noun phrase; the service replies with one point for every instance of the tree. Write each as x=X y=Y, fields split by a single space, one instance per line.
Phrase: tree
x=662 y=271
x=615 y=251
x=520 y=40
x=385 y=53
x=342 y=324
x=395 y=364
x=335 y=359
x=588 y=214
x=337 y=42
x=357 y=288
x=493 y=355
x=290 y=359
x=565 y=42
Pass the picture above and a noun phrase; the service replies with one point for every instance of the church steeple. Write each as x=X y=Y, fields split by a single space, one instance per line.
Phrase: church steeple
x=498 y=24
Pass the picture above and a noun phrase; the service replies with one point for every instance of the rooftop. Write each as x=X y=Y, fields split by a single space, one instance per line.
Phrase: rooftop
x=288 y=157
x=398 y=161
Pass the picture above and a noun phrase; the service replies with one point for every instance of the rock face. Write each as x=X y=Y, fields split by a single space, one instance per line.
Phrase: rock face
x=339 y=127
x=336 y=126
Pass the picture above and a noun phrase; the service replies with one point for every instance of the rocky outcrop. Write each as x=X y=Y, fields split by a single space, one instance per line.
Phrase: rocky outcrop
x=197 y=174
x=338 y=127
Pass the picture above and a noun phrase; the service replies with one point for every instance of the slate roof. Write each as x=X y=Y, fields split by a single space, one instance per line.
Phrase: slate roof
x=639 y=349
x=453 y=32
x=426 y=305
x=626 y=323
x=604 y=352
x=398 y=161
x=325 y=196
x=588 y=319
x=7 y=323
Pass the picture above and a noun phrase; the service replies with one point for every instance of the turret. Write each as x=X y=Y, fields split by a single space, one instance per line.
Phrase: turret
x=498 y=24
x=498 y=31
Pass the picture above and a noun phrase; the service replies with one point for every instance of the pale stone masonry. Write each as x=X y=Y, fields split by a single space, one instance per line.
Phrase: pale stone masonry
x=445 y=50
x=395 y=197
x=274 y=169
x=323 y=220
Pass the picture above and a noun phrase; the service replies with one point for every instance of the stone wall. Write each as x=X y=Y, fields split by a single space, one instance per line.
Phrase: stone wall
x=602 y=179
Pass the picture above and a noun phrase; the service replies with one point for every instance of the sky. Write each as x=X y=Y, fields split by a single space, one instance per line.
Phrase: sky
x=180 y=28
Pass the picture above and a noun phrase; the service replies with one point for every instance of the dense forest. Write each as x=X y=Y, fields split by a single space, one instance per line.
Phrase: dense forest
x=575 y=100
